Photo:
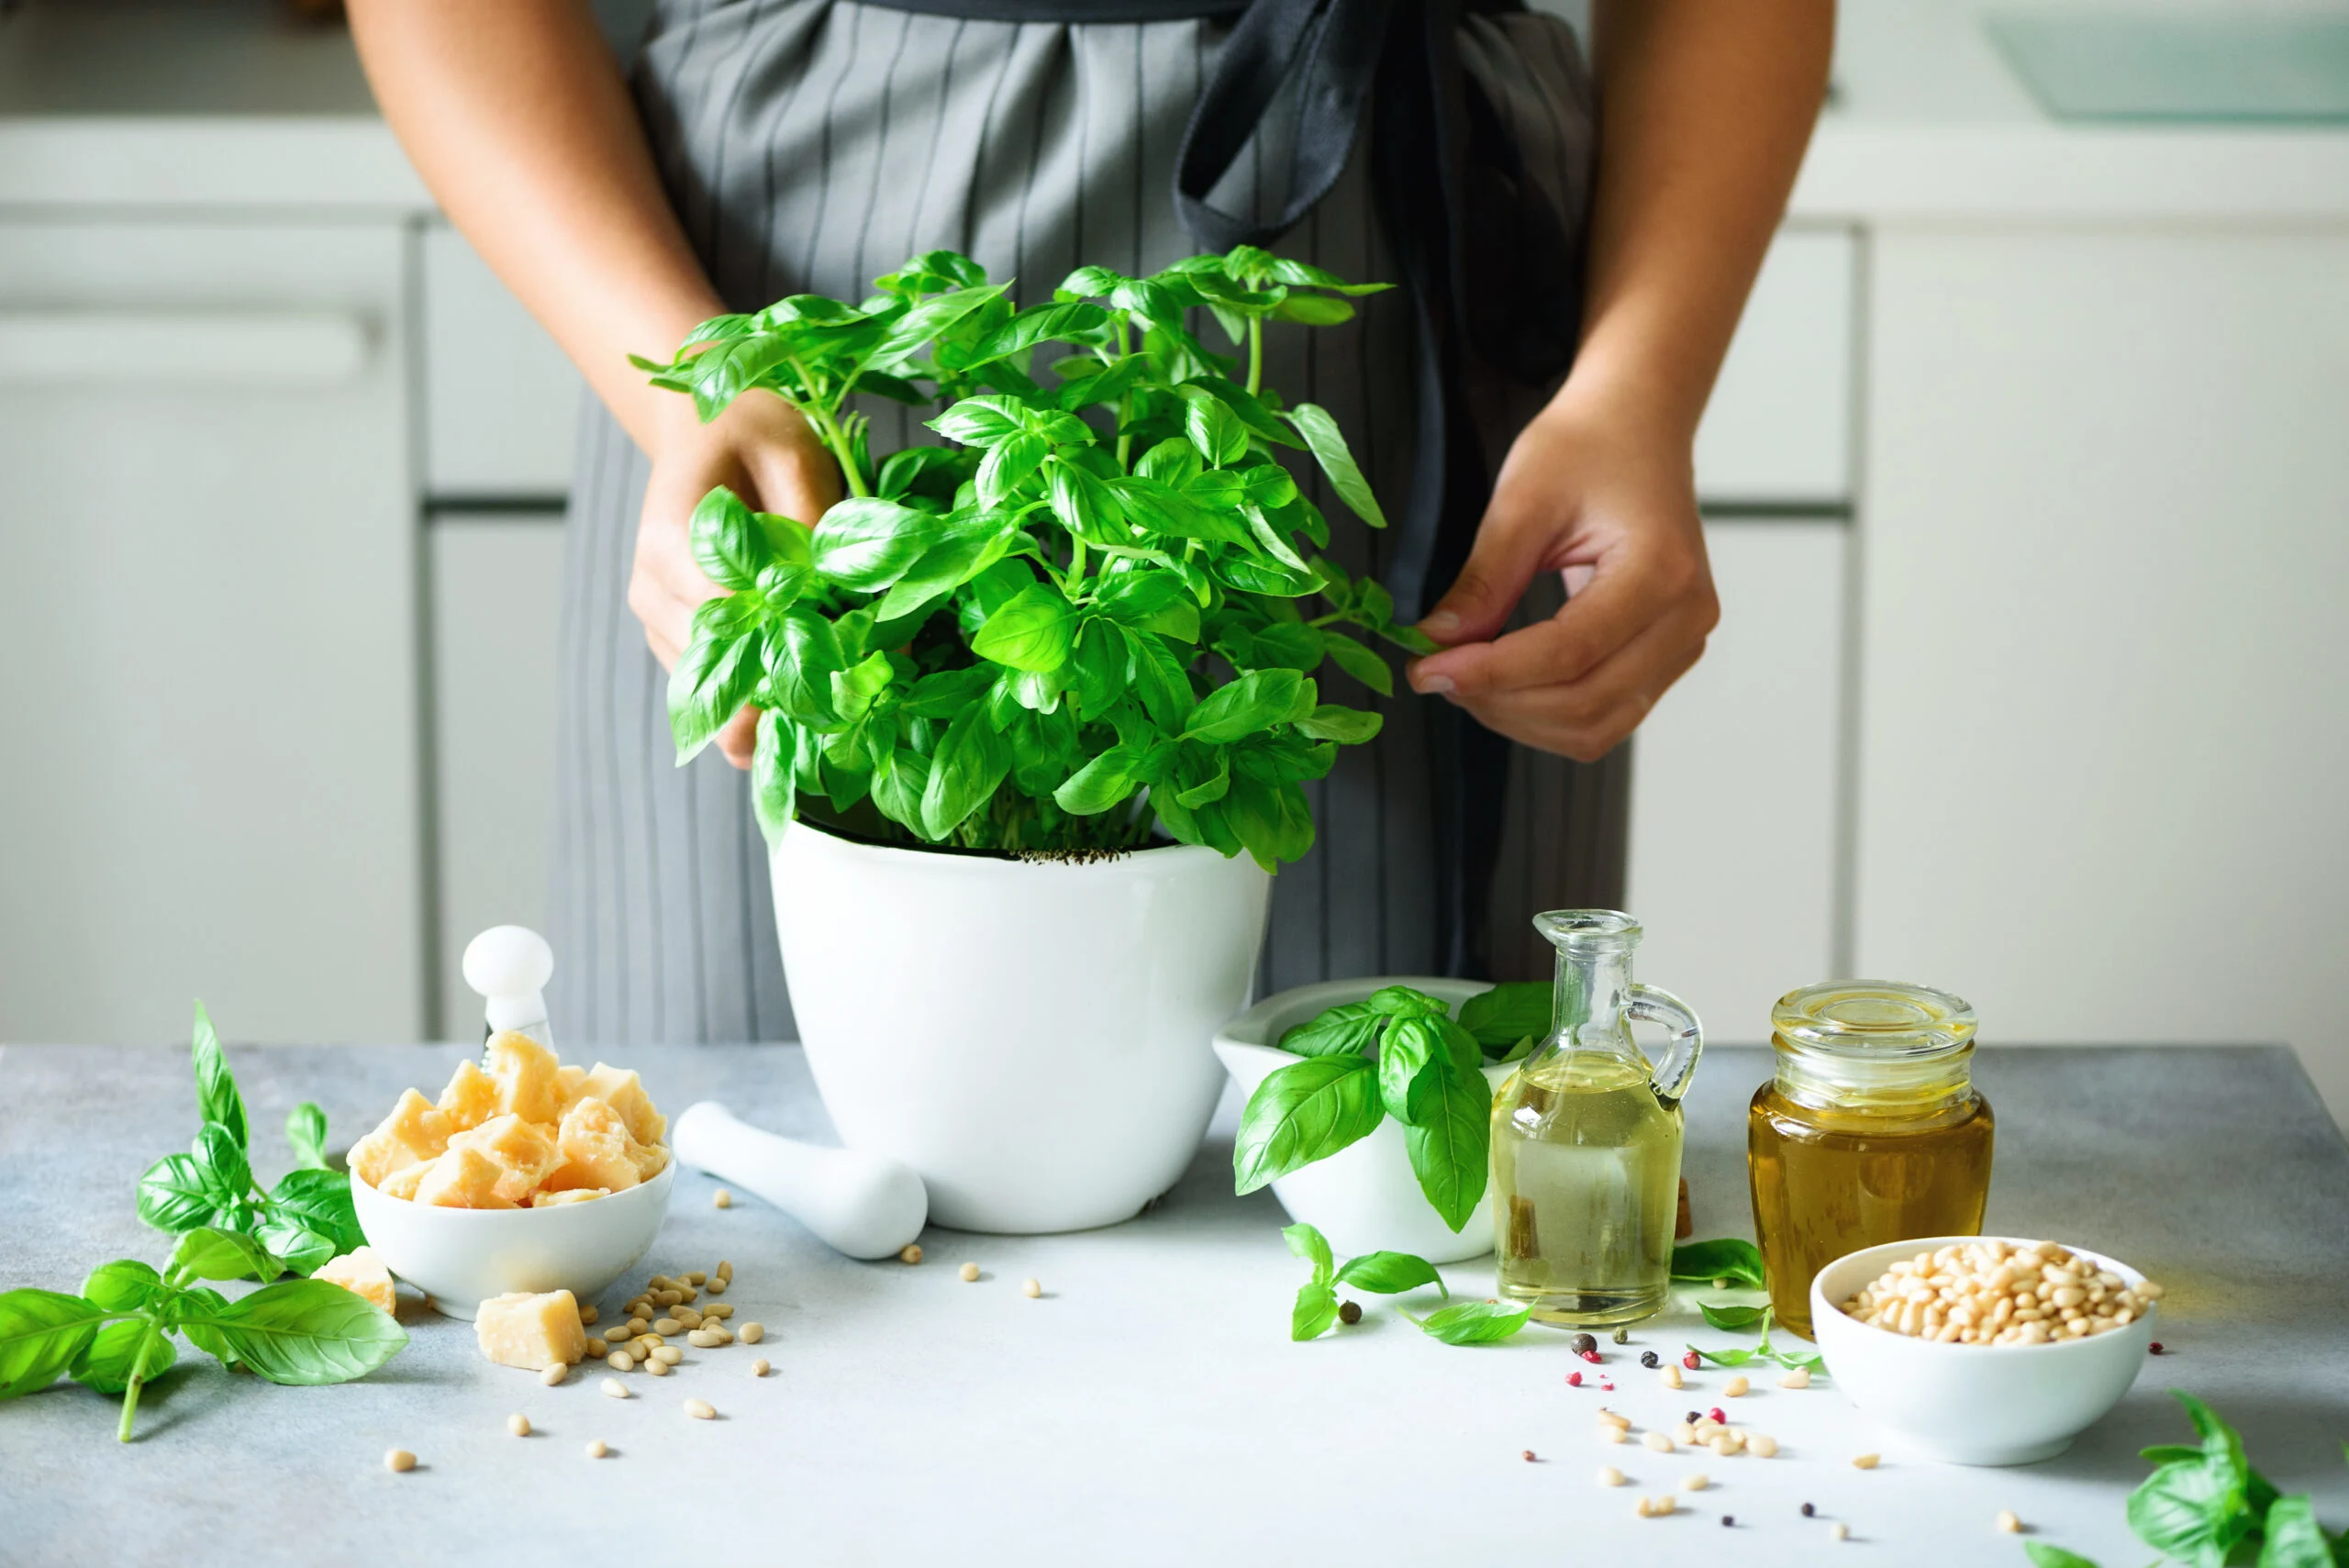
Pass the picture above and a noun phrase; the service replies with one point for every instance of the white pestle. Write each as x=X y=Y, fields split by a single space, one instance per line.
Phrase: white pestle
x=510 y=966
x=867 y=1206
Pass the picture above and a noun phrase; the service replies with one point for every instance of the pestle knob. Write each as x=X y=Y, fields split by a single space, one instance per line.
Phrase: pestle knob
x=510 y=965
x=866 y=1206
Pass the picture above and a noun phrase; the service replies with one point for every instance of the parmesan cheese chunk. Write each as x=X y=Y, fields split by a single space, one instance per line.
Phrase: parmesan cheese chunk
x=361 y=1272
x=523 y=1153
x=402 y=1184
x=570 y=1083
x=624 y=1091
x=597 y=1149
x=470 y=1099
x=575 y=1195
x=412 y=1134
x=524 y=1074
x=532 y=1332
x=463 y=1178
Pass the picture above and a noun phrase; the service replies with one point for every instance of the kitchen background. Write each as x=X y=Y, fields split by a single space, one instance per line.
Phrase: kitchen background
x=2027 y=486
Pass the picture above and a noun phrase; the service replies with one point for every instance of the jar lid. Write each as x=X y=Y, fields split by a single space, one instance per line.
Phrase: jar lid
x=1885 y=1020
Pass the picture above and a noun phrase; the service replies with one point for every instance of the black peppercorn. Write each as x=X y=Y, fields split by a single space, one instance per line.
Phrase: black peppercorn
x=1349 y=1312
x=1584 y=1344
x=1647 y=1357
x=1728 y=1521
x=1808 y=1511
x=1693 y=1415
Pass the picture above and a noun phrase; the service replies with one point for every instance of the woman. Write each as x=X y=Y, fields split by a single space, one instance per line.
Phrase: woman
x=776 y=146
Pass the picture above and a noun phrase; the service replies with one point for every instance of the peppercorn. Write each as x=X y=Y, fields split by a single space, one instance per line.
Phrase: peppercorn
x=1574 y=1379
x=1690 y=1361
x=1349 y=1312
x=1647 y=1357
x=1728 y=1521
x=2155 y=1347
x=1591 y=1356
x=1584 y=1344
x=1622 y=1336
x=1808 y=1511
x=1716 y=1414
x=1529 y=1456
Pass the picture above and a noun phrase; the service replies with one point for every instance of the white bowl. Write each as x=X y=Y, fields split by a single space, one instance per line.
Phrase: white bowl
x=1972 y=1404
x=1364 y=1198
x=462 y=1257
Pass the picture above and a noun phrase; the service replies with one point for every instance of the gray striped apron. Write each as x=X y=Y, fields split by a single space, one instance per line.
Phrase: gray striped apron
x=808 y=145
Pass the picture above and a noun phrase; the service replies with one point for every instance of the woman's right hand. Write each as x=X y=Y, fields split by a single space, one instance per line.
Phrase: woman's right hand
x=762 y=451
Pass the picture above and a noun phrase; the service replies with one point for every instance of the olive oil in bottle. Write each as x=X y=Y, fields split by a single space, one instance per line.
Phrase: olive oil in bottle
x=1587 y=1137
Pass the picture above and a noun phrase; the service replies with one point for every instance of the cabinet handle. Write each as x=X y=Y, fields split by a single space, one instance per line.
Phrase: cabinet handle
x=129 y=348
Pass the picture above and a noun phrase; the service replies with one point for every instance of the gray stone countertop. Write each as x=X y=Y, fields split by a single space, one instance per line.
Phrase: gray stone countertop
x=1149 y=1407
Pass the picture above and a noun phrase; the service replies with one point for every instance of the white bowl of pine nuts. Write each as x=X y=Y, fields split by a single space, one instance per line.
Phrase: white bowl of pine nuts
x=1965 y=1345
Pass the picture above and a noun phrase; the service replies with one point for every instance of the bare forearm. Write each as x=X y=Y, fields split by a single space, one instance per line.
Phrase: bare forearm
x=1705 y=111
x=515 y=114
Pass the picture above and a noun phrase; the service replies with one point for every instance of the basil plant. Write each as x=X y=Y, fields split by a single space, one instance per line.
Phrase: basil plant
x=1096 y=615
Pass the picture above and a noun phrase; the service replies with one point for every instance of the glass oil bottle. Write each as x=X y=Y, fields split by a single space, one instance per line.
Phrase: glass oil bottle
x=1586 y=1137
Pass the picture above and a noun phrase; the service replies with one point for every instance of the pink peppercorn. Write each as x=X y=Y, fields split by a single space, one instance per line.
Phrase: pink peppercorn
x=1574 y=1379
x=1690 y=1361
x=1591 y=1356
x=1716 y=1414
x=2155 y=1347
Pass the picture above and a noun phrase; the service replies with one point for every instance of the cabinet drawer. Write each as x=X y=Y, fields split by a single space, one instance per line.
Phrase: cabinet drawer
x=1734 y=784
x=500 y=401
x=1778 y=430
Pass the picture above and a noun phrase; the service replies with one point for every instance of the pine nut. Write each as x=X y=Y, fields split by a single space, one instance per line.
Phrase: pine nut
x=760 y=1368
x=686 y=1293
x=1723 y=1445
x=1864 y=1461
x=1613 y=1417
x=399 y=1461
x=1670 y=1374
x=718 y=1309
x=969 y=1271
x=2007 y=1522
x=721 y=1198
x=615 y=1389
x=1760 y=1445
x=699 y=1409
x=702 y=1340
x=620 y=1360
x=667 y=1355
x=1030 y=1289
x=554 y=1374
x=597 y=1349
x=1735 y=1387
x=1658 y=1441
x=657 y=1368
x=751 y=1333
x=587 y=1316
x=1609 y=1476
x=1798 y=1378
x=686 y=1318
x=1610 y=1434
x=639 y=1324
x=667 y=1325
x=643 y=1343
x=725 y=1271
x=714 y=1288
x=696 y=1279
x=1695 y=1482
x=596 y=1449
x=667 y=1298
x=910 y=1253
x=1838 y=1531
x=519 y=1424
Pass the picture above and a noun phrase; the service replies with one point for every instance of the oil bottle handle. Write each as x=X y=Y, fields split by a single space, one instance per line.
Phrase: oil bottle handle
x=1651 y=1003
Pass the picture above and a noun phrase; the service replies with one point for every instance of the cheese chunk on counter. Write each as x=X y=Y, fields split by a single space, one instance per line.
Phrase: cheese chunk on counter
x=529 y=1331
x=470 y=1099
x=524 y=1070
x=413 y=1133
x=361 y=1272
x=463 y=1178
x=523 y=1153
x=624 y=1091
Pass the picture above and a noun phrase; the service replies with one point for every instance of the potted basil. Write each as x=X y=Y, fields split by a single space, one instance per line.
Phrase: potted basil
x=1035 y=705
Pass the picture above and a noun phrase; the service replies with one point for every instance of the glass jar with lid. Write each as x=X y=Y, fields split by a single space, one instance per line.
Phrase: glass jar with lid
x=1871 y=1131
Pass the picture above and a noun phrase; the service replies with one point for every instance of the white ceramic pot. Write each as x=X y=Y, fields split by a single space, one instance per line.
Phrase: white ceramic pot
x=462 y=1257
x=1363 y=1197
x=1972 y=1404
x=1030 y=1036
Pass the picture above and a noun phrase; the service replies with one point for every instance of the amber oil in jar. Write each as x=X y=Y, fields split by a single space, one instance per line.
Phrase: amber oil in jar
x=1871 y=1131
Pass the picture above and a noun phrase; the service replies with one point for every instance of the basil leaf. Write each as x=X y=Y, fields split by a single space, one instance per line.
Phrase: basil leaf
x=858 y=687
x=1808 y=1361
x=1256 y=701
x=2160 y=1453
x=301 y=1249
x=120 y=1350
x=215 y=1088
x=2192 y=1512
x=1328 y=444
x=1390 y=1273
x=178 y=1193
x=897 y=789
x=1213 y=428
x=1406 y=1087
x=2292 y=1538
x=317 y=1201
x=1010 y=463
x=1346 y=726
x=1076 y=322
x=774 y=784
x=1474 y=1322
x=1034 y=631
x=1314 y=310
x=1730 y=1358
x=728 y=546
x=1362 y=663
x=1301 y=1113
x=1347 y=1030
x=1172 y=462
x=1508 y=1013
x=1100 y=784
x=970 y=761
x=802 y=657
x=980 y=421
x=1316 y=1309
x=1151 y=601
x=713 y=678
x=124 y=1285
x=207 y=1253
x=1449 y=1148
x=1313 y=1247
x=2045 y=1556
x=305 y=1133
x=867 y=544
x=1402 y=1002
x=42 y=1334
x=1728 y=1316
x=306 y=1331
x=1737 y=1262
x=202 y=1303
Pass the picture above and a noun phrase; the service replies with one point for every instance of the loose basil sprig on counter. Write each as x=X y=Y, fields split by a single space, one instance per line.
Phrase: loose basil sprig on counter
x=1398 y=1052
x=1096 y=616
x=2206 y=1506
x=1739 y=1319
x=306 y=1220
x=1389 y=1273
x=1727 y=1261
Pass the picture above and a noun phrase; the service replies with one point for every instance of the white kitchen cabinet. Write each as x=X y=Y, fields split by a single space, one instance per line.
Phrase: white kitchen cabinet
x=206 y=571
x=496 y=582
x=501 y=403
x=2105 y=722
x=1777 y=430
x=1734 y=784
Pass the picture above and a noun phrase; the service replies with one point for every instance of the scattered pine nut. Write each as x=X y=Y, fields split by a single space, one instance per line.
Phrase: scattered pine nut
x=1723 y=1444
x=1609 y=1476
x=1864 y=1461
x=725 y=1271
x=1612 y=1434
x=519 y=1424
x=615 y=1389
x=751 y=1333
x=587 y=1315
x=721 y=1198
x=2007 y=1522
x=1760 y=1445
x=1735 y=1387
x=686 y=1318
x=639 y=1324
x=1658 y=1441
x=700 y=1410
x=554 y=1374
x=668 y=1355
x=399 y=1461
x=760 y=1368
x=1838 y=1531
x=1030 y=1289
x=721 y=1310
x=643 y=1343
x=597 y=1349
x=969 y=1271
x=1613 y=1417
x=1657 y=1508
x=714 y=1288
x=1670 y=1373
x=620 y=1360
x=667 y=1298
x=703 y=1339
x=596 y=1449
x=911 y=1254
x=696 y=1279
x=667 y=1325
x=686 y=1293
x=657 y=1368
x=1695 y=1482
x=1798 y=1378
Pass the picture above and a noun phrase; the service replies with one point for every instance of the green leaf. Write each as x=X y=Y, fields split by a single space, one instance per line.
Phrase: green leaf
x=2192 y=1512
x=774 y=784
x=1273 y=822
x=125 y=1285
x=1316 y=1309
x=1150 y=601
x=178 y=1193
x=1731 y=1357
x=981 y=421
x=1172 y=462
x=120 y=1350
x=1349 y=1028
x=1313 y=1247
x=714 y=677
x=216 y=1087
x=209 y=1254
x=2045 y=1556
x=867 y=543
x=2293 y=1537
x=1403 y=1002
x=1303 y=1112
x=1737 y=1262
x=306 y=1331
x=927 y=320
x=2160 y=1453
x=1449 y=1151
x=1009 y=464
x=727 y=545
x=1085 y=505
x=1328 y=445
x=1033 y=631
x=1100 y=784
x=1508 y=1013
x=318 y=1202
x=1346 y=726
x=1362 y=663
x=1074 y=322
x=1725 y=1315
x=1474 y=1322
x=858 y=687
x=1390 y=1273
x=1314 y=310
x=1410 y=1092
x=1213 y=428
x=802 y=657
x=305 y=1133
x=1256 y=701
x=970 y=761
x=42 y=1334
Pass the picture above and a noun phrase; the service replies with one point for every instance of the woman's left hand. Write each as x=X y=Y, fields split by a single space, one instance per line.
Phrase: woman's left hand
x=1602 y=498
